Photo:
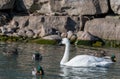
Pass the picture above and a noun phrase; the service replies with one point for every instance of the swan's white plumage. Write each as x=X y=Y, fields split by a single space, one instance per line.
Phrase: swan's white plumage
x=83 y=60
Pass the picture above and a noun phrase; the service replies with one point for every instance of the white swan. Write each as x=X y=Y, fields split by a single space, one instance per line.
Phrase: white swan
x=82 y=60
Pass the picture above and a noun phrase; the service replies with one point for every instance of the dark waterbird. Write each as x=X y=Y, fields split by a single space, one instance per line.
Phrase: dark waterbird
x=37 y=56
x=38 y=71
x=10 y=51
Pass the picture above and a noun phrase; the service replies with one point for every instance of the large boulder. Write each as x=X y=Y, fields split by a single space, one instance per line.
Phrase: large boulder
x=22 y=5
x=106 y=28
x=83 y=35
x=115 y=5
x=40 y=6
x=63 y=7
x=85 y=7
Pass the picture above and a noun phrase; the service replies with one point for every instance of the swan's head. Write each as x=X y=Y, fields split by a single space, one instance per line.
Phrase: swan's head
x=65 y=41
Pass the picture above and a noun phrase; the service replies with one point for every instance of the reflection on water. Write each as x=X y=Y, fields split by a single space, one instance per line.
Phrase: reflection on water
x=20 y=67
x=83 y=73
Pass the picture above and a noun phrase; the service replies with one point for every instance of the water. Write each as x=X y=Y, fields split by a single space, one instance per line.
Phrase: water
x=20 y=67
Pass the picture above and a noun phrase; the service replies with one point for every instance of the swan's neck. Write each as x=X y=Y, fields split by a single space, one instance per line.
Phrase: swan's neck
x=66 y=54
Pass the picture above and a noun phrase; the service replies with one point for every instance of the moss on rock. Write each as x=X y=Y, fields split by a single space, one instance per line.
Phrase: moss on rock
x=27 y=40
x=107 y=43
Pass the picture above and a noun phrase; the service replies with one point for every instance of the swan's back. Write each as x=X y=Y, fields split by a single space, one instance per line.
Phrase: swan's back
x=87 y=61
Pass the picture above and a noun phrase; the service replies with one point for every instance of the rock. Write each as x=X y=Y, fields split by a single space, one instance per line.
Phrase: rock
x=22 y=5
x=39 y=6
x=6 y=4
x=29 y=33
x=21 y=32
x=56 y=5
x=20 y=21
x=105 y=28
x=52 y=37
x=36 y=33
x=3 y=30
x=84 y=35
x=45 y=8
x=9 y=30
x=45 y=31
x=70 y=7
x=115 y=6
x=73 y=37
x=3 y=19
x=64 y=35
x=56 y=22
x=15 y=34
x=69 y=34
x=85 y=7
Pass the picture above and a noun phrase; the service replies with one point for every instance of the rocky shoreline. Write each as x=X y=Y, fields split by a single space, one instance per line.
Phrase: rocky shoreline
x=53 y=19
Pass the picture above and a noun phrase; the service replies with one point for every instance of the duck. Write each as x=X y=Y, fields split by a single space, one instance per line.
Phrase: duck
x=83 y=60
x=37 y=56
x=12 y=51
x=38 y=71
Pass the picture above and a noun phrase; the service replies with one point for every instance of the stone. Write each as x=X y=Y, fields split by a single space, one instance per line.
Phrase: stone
x=6 y=4
x=52 y=37
x=45 y=31
x=29 y=33
x=69 y=34
x=105 y=28
x=73 y=38
x=85 y=7
x=84 y=35
x=64 y=35
x=115 y=6
x=21 y=32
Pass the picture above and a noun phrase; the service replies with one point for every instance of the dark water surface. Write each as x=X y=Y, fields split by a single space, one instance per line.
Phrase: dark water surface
x=20 y=67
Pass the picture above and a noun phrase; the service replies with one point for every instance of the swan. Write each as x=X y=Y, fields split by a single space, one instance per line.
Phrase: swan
x=82 y=60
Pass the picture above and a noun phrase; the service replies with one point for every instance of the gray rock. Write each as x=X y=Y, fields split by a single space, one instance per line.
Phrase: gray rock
x=45 y=31
x=84 y=35
x=36 y=33
x=29 y=33
x=52 y=37
x=70 y=7
x=106 y=28
x=85 y=7
x=69 y=34
x=64 y=35
x=3 y=30
x=115 y=5
x=20 y=21
x=6 y=4
x=21 y=32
